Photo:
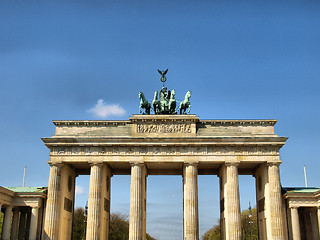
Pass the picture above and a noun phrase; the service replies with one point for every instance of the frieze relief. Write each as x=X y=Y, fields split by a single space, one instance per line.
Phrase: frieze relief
x=165 y=150
x=164 y=128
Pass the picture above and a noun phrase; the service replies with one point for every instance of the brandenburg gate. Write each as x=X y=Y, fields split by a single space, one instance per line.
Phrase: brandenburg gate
x=164 y=144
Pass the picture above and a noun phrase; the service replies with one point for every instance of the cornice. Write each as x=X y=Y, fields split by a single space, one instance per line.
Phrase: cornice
x=164 y=118
x=31 y=195
x=158 y=150
x=139 y=141
x=244 y=122
x=89 y=123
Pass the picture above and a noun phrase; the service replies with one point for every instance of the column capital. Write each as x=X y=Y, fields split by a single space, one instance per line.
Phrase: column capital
x=9 y=207
x=136 y=163
x=274 y=163
x=294 y=207
x=55 y=164
x=195 y=164
x=233 y=163
x=96 y=163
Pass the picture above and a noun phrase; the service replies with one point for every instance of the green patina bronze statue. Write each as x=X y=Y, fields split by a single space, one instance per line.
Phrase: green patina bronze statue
x=185 y=103
x=144 y=104
x=166 y=104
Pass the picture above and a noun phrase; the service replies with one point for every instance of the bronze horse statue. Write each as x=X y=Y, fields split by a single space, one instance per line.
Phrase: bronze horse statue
x=156 y=103
x=185 y=103
x=172 y=102
x=144 y=104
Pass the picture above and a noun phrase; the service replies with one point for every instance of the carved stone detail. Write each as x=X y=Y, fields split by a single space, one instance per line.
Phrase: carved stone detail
x=164 y=128
x=167 y=150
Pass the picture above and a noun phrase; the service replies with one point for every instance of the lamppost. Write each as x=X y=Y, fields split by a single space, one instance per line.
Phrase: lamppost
x=250 y=220
x=85 y=221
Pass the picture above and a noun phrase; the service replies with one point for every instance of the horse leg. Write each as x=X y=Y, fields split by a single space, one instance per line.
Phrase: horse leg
x=189 y=108
x=148 y=108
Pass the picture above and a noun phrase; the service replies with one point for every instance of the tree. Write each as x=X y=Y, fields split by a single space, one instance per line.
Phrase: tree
x=215 y=232
x=149 y=237
x=118 y=228
x=1 y=221
x=78 y=224
x=246 y=225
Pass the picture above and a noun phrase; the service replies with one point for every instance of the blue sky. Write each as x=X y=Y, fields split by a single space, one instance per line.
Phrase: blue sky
x=248 y=60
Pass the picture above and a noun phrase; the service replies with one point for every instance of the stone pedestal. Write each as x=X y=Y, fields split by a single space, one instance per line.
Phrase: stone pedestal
x=33 y=223
x=7 y=223
x=94 y=202
x=190 y=202
x=275 y=202
x=295 y=224
x=52 y=211
x=137 y=226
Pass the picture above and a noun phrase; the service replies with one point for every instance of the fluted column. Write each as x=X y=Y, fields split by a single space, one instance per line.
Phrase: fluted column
x=232 y=201
x=94 y=202
x=33 y=223
x=314 y=223
x=137 y=220
x=52 y=210
x=15 y=222
x=7 y=223
x=318 y=213
x=190 y=202
x=275 y=202
x=295 y=224
x=22 y=224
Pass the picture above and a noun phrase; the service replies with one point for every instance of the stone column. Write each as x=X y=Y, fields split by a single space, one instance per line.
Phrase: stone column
x=94 y=202
x=26 y=235
x=15 y=222
x=190 y=202
x=314 y=223
x=7 y=223
x=232 y=202
x=52 y=210
x=295 y=224
x=275 y=202
x=137 y=210
x=318 y=213
x=33 y=223
x=22 y=224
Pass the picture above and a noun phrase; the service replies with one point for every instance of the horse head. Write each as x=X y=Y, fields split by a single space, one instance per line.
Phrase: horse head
x=173 y=94
x=155 y=95
x=188 y=95
x=141 y=95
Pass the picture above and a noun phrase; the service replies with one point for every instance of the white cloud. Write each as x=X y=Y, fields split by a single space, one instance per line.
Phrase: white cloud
x=79 y=190
x=106 y=110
